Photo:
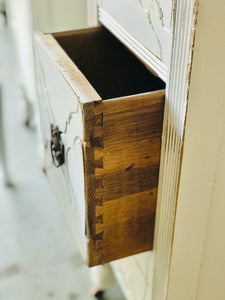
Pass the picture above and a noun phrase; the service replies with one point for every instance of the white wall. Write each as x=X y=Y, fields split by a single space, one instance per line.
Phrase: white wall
x=58 y=15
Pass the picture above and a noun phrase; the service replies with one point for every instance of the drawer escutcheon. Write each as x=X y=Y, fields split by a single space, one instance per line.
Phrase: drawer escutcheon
x=57 y=147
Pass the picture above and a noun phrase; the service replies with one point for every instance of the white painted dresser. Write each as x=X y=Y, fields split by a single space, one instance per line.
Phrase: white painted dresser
x=145 y=28
x=102 y=137
x=162 y=35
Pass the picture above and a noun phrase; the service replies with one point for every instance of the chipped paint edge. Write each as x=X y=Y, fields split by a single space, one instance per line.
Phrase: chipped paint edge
x=172 y=141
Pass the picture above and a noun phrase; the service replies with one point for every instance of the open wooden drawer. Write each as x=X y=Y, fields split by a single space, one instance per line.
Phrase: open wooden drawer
x=101 y=113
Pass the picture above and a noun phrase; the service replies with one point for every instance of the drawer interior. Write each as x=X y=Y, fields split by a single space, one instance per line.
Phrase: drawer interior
x=108 y=65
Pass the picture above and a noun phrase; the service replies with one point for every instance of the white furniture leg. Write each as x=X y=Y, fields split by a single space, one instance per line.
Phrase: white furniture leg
x=102 y=278
x=28 y=108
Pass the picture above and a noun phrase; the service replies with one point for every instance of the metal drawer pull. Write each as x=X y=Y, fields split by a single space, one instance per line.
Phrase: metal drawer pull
x=57 y=147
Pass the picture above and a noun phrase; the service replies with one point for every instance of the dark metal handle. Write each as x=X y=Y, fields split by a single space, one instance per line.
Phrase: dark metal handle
x=57 y=147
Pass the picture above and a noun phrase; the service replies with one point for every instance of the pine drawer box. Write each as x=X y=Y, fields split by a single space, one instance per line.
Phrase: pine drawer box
x=101 y=113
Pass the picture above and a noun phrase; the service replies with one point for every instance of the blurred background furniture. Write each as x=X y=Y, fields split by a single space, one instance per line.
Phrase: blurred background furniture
x=3 y=69
x=3 y=157
x=25 y=16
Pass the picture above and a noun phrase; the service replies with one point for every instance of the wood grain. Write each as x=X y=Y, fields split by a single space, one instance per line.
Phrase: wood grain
x=121 y=190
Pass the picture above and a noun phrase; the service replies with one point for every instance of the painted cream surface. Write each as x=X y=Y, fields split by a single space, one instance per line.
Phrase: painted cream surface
x=198 y=254
x=194 y=275
x=58 y=15
x=59 y=105
x=157 y=262
x=134 y=275
x=148 y=21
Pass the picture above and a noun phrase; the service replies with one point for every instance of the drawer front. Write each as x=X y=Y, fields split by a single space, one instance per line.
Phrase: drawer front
x=107 y=185
x=59 y=106
x=142 y=25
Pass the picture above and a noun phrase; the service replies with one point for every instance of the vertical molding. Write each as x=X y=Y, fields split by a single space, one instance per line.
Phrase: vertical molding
x=197 y=261
x=172 y=141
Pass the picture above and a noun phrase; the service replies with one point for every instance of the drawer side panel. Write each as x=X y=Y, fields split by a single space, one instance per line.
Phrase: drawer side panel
x=121 y=188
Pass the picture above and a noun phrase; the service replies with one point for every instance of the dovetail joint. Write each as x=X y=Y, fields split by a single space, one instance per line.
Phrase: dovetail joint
x=98 y=142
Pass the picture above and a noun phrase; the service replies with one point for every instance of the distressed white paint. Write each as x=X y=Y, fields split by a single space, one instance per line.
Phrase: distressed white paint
x=198 y=256
x=140 y=275
x=158 y=261
x=147 y=21
x=59 y=96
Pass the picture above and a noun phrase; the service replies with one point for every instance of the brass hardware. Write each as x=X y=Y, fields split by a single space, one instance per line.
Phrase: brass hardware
x=57 y=147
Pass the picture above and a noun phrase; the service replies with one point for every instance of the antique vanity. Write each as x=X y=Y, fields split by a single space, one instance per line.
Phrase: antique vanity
x=113 y=102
